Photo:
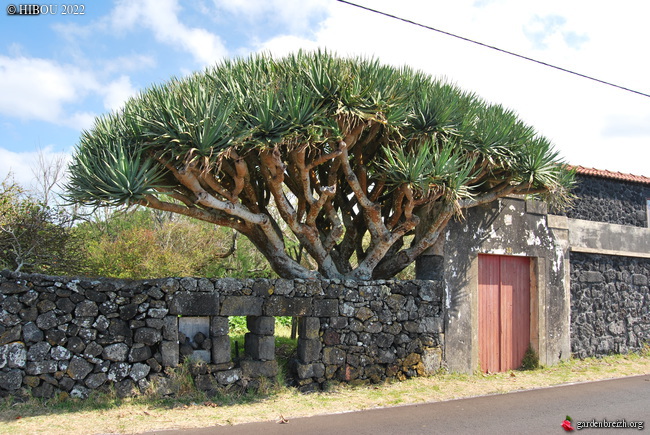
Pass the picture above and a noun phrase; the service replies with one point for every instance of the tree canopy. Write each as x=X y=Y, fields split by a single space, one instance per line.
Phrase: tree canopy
x=345 y=156
x=34 y=236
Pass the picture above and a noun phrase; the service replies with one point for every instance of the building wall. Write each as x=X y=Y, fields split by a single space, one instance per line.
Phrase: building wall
x=610 y=267
x=613 y=201
x=510 y=226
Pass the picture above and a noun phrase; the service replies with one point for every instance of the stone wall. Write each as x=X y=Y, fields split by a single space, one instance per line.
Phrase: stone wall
x=612 y=201
x=72 y=335
x=610 y=304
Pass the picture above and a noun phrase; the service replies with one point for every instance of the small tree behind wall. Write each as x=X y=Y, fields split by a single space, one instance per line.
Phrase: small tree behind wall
x=344 y=155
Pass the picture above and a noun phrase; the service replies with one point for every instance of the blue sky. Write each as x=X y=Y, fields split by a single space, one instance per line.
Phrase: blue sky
x=58 y=72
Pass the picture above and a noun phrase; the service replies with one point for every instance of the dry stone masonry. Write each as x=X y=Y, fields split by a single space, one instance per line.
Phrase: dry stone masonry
x=70 y=335
x=610 y=304
x=613 y=201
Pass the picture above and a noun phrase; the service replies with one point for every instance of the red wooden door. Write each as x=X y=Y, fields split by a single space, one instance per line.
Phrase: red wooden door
x=503 y=311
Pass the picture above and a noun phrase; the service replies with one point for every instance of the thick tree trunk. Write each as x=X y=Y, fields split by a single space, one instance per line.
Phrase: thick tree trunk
x=281 y=263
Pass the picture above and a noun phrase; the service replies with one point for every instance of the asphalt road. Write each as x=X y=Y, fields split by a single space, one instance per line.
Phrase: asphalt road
x=528 y=412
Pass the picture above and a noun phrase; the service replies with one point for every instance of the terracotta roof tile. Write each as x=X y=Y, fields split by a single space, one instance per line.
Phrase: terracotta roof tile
x=610 y=174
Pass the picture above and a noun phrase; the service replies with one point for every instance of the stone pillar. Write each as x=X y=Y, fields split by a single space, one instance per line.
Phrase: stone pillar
x=220 y=340
x=259 y=343
x=309 y=368
x=169 y=347
x=309 y=345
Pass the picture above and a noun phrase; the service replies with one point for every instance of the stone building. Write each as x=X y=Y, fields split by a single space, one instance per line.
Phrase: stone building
x=517 y=274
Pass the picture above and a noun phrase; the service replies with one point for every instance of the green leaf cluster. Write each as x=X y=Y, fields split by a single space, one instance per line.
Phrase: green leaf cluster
x=435 y=133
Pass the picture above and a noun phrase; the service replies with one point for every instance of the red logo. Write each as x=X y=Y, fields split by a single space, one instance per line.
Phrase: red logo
x=566 y=424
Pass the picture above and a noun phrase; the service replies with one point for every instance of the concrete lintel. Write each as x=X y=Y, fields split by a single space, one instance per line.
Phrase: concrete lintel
x=610 y=252
x=608 y=239
x=559 y=222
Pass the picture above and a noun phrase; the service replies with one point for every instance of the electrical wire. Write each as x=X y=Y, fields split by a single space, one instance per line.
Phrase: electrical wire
x=494 y=48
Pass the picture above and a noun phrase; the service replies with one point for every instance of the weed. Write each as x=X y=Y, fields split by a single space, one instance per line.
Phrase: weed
x=530 y=360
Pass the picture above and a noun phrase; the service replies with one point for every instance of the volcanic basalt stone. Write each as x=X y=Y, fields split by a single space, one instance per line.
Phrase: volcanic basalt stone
x=128 y=312
x=228 y=377
x=260 y=347
x=195 y=304
x=333 y=356
x=610 y=315
x=47 y=320
x=309 y=350
x=29 y=315
x=79 y=368
x=138 y=354
x=93 y=349
x=118 y=371
x=12 y=304
x=12 y=288
x=116 y=352
x=326 y=308
x=41 y=367
x=38 y=351
x=220 y=349
x=86 y=309
x=11 y=380
x=79 y=392
x=256 y=369
x=286 y=306
x=242 y=306
x=139 y=371
x=95 y=380
x=148 y=336
x=309 y=327
x=11 y=335
x=261 y=325
x=29 y=298
x=32 y=333
x=219 y=325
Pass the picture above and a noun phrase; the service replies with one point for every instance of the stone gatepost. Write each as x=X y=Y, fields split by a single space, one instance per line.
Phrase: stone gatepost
x=309 y=369
x=259 y=345
x=220 y=340
x=169 y=346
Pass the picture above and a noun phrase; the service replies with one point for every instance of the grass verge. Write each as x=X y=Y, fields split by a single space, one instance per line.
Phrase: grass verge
x=104 y=413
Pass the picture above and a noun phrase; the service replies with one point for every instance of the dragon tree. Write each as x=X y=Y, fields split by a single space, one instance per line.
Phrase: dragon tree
x=363 y=164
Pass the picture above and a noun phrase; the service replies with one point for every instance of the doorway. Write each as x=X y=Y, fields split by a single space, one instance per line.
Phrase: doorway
x=503 y=311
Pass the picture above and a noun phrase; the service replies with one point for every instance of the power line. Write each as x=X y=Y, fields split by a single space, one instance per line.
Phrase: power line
x=493 y=48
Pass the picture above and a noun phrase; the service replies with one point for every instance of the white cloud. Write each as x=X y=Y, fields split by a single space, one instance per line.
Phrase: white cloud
x=33 y=88
x=161 y=17
x=20 y=166
x=295 y=15
x=135 y=62
x=286 y=44
x=117 y=92
x=43 y=90
x=80 y=120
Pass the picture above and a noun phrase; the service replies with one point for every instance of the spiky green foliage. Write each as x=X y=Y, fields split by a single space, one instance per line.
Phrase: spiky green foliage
x=317 y=150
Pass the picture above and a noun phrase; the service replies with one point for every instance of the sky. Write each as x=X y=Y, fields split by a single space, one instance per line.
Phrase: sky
x=58 y=71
